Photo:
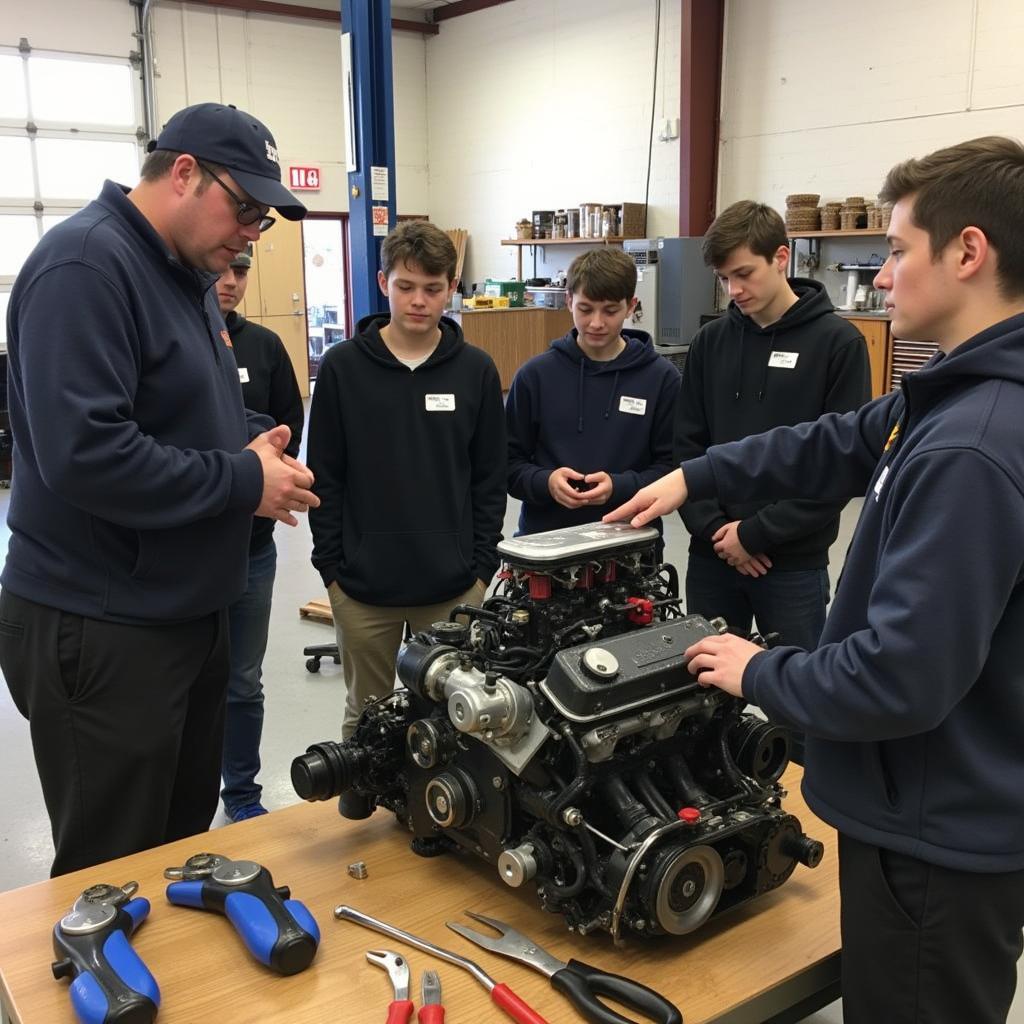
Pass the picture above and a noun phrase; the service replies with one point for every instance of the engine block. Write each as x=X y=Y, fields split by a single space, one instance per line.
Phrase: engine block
x=556 y=733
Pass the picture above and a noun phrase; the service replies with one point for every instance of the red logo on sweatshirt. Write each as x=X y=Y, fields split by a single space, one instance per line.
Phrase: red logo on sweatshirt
x=227 y=339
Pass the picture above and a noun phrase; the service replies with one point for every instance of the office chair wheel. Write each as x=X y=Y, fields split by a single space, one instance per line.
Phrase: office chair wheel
x=312 y=664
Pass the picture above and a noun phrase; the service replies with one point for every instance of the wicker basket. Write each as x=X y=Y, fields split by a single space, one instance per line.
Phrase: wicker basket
x=800 y=200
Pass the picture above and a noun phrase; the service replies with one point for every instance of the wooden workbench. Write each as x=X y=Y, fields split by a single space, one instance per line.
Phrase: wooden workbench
x=512 y=336
x=740 y=969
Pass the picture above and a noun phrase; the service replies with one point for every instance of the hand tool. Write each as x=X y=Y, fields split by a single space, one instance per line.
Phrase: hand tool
x=400 y=1008
x=111 y=983
x=580 y=983
x=279 y=931
x=432 y=1010
x=501 y=994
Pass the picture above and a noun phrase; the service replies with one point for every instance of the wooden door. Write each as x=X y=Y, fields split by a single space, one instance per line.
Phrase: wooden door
x=876 y=335
x=276 y=297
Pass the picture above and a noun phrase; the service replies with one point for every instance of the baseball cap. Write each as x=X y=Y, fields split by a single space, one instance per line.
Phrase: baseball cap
x=244 y=258
x=233 y=139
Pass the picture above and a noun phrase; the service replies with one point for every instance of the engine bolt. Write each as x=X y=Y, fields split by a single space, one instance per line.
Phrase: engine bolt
x=572 y=816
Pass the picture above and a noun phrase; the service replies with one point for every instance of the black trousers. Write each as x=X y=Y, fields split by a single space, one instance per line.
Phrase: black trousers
x=924 y=944
x=127 y=725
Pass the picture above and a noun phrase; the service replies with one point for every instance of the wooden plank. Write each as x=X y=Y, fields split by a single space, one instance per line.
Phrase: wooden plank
x=318 y=611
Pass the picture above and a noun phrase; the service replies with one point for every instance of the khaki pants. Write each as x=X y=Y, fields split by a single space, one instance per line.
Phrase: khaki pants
x=369 y=636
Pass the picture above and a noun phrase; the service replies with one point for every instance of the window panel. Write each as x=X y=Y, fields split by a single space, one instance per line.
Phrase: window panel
x=80 y=91
x=16 y=168
x=76 y=168
x=12 y=88
x=18 y=237
x=5 y=298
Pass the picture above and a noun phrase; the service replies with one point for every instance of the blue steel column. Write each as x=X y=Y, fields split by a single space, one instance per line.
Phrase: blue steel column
x=369 y=23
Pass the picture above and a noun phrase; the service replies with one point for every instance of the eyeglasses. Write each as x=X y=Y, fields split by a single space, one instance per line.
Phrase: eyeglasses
x=247 y=212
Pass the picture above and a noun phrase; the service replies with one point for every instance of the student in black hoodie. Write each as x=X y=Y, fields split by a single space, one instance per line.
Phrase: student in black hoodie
x=778 y=356
x=913 y=703
x=407 y=443
x=269 y=387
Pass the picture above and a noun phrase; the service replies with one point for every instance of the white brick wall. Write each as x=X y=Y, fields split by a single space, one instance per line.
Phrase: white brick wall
x=825 y=97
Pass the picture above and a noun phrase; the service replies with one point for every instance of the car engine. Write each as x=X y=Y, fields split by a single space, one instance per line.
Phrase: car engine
x=556 y=733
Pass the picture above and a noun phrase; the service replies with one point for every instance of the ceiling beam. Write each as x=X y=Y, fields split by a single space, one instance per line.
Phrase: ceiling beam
x=460 y=7
x=309 y=13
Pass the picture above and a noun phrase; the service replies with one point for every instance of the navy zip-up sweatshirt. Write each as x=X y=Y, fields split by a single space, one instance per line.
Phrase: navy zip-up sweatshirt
x=409 y=468
x=131 y=496
x=564 y=409
x=731 y=389
x=913 y=704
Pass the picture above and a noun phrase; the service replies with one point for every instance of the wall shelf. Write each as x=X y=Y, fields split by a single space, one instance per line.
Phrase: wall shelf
x=857 y=233
x=540 y=243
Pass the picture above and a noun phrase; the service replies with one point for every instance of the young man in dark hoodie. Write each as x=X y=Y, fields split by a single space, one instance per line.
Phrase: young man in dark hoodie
x=269 y=387
x=912 y=703
x=590 y=420
x=779 y=356
x=408 y=440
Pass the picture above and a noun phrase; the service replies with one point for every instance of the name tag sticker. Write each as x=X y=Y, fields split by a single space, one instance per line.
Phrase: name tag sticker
x=783 y=360
x=243 y=375
x=880 y=482
x=634 y=406
x=440 y=403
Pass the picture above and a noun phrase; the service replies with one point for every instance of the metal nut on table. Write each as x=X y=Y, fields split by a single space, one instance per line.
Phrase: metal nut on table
x=358 y=869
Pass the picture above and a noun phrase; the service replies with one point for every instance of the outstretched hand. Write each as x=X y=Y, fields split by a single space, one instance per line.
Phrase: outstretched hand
x=657 y=499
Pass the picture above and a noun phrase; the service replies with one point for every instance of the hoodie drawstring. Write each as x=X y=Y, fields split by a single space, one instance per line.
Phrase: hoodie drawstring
x=764 y=369
x=739 y=364
x=579 y=424
x=611 y=397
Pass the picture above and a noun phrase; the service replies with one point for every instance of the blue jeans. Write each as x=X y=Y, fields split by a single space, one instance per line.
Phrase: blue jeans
x=248 y=623
x=790 y=602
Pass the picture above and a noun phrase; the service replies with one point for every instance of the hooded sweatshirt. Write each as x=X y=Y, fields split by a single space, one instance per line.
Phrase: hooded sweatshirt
x=409 y=468
x=742 y=379
x=913 y=705
x=564 y=409
x=269 y=387
x=132 y=496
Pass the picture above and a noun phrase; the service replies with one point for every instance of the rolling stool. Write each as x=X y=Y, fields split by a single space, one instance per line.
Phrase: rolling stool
x=316 y=652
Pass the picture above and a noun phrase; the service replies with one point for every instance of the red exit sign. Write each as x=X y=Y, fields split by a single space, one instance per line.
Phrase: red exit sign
x=304 y=178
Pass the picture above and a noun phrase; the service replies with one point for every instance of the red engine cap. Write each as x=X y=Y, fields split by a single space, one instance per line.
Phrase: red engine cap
x=690 y=815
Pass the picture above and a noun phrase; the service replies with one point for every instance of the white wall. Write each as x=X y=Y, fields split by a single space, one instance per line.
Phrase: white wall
x=287 y=71
x=826 y=97
x=541 y=105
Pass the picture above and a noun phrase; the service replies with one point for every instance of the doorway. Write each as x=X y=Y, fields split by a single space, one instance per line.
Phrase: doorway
x=325 y=251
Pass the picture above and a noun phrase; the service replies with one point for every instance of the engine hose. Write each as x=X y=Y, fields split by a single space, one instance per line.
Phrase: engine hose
x=579 y=882
x=673 y=577
x=735 y=776
x=656 y=803
x=624 y=803
x=594 y=871
x=471 y=611
x=579 y=784
x=687 y=787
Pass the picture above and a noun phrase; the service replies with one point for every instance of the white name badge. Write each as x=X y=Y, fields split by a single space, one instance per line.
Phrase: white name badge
x=243 y=375
x=783 y=360
x=880 y=482
x=440 y=403
x=634 y=406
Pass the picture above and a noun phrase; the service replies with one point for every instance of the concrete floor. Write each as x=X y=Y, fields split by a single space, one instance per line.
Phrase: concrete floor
x=300 y=709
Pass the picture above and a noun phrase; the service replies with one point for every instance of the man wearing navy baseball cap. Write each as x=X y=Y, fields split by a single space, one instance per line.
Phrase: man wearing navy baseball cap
x=137 y=471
